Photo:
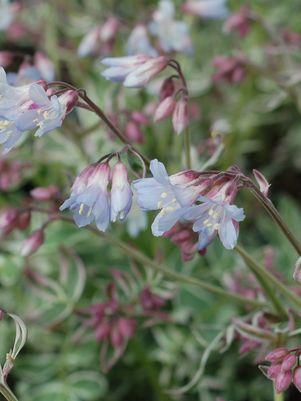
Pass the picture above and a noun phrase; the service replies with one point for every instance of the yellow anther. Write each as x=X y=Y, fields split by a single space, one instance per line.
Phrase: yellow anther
x=81 y=209
x=164 y=195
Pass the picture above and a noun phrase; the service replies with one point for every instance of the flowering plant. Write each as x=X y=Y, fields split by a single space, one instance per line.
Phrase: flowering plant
x=130 y=175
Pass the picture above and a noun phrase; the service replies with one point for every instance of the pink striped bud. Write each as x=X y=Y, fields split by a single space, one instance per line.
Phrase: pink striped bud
x=289 y=362
x=133 y=132
x=180 y=117
x=139 y=117
x=273 y=371
x=167 y=88
x=126 y=327
x=9 y=220
x=165 y=108
x=283 y=381
x=44 y=193
x=32 y=243
x=276 y=355
x=297 y=378
x=69 y=100
x=262 y=182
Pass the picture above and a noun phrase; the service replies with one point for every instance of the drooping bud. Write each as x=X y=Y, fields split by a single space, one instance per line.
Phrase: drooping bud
x=121 y=193
x=44 y=193
x=297 y=378
x=165 y=108
x=32 y=243
x=273 y=371
x=288 y=362
x=262 y=182
x=139 y=118
x=283 y=381
x=9 y=220
x=180 y=117
x=133 y=132
x=276 y=355
x=167 y=88
x=69 y=100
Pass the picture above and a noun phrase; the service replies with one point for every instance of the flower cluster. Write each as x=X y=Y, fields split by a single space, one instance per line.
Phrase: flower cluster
x=205 y=200
x=90 y=200
x=285 y=368
x=28 y=107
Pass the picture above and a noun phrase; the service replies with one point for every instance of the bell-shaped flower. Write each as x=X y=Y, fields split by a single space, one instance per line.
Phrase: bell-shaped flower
x=215 y=216
x=139 y=43
x=180 y=116
x=172 y=35
x=168 y=194
x=134 y=71
x=121 y=193
x=45 y=114
x=90 y=200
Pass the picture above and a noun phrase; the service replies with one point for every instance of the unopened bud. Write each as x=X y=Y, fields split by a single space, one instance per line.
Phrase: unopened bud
x=289 y=362
x=276 y=355
x=44 y=193
x=273 y=371
x=297 y=378
x=32 y=243
x=283 y=381
x=133 y=132
x=24 y=220
x=165 y=108
x=167 y=88
x=69 y=99
x=180 y=117
x=262 y=182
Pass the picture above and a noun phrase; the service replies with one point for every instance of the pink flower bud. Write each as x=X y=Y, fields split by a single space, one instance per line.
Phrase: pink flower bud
x=44 y=193
x=283 y=381
x=180 y=117
x=69 y=100
x=24 y=220
x=289 y=362
x=297 y=378
x=139 y=117
x=102 y=331
x=133 y=132
x=276 y=355
x=167 y=88
x=117 y=339
x=273 y=371
x=32 y=243
x=126 y=327
x=165 y=108
x=9 y=220
x=262 y=182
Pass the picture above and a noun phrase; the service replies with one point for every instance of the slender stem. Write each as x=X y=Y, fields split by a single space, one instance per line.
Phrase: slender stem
x=7 y=393
x=278 y=396
x=140 y=257
x=273 y=212
x=264 y=273
x=187 y=148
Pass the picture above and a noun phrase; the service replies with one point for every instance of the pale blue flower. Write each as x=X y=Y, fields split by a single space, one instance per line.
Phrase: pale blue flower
x=89 y=200
x=139 y=43
x=164 y=193
x=9 y=135
x=212 y=217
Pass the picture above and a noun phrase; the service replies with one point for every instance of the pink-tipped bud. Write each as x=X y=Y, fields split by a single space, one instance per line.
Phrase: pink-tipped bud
x=180 y=117
x=109 y=29
x=102 y=331
x=126 y=327
x=297 y=272
x=32 y=243
x=139 y=117
x=276 y=355
x=273 y=371
x=133 y=132
x=289 y=362
x=44 y=193
x=69 y=100
x=9 y=220
x=297 y=378
x=283 y=381
x=24 y=220
x=262 y=182
x=165 y=108
x=167 y=88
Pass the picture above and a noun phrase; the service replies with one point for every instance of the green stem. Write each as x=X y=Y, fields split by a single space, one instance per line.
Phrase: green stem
x=7 y=393
x=278 y=396
x=187 y=148
x=268 y=277
x=273 y=212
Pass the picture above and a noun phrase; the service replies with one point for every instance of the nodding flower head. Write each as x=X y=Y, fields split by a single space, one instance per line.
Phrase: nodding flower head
x=134 y=71
x=89 y=200
x=180 y=116
x=164 y=193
